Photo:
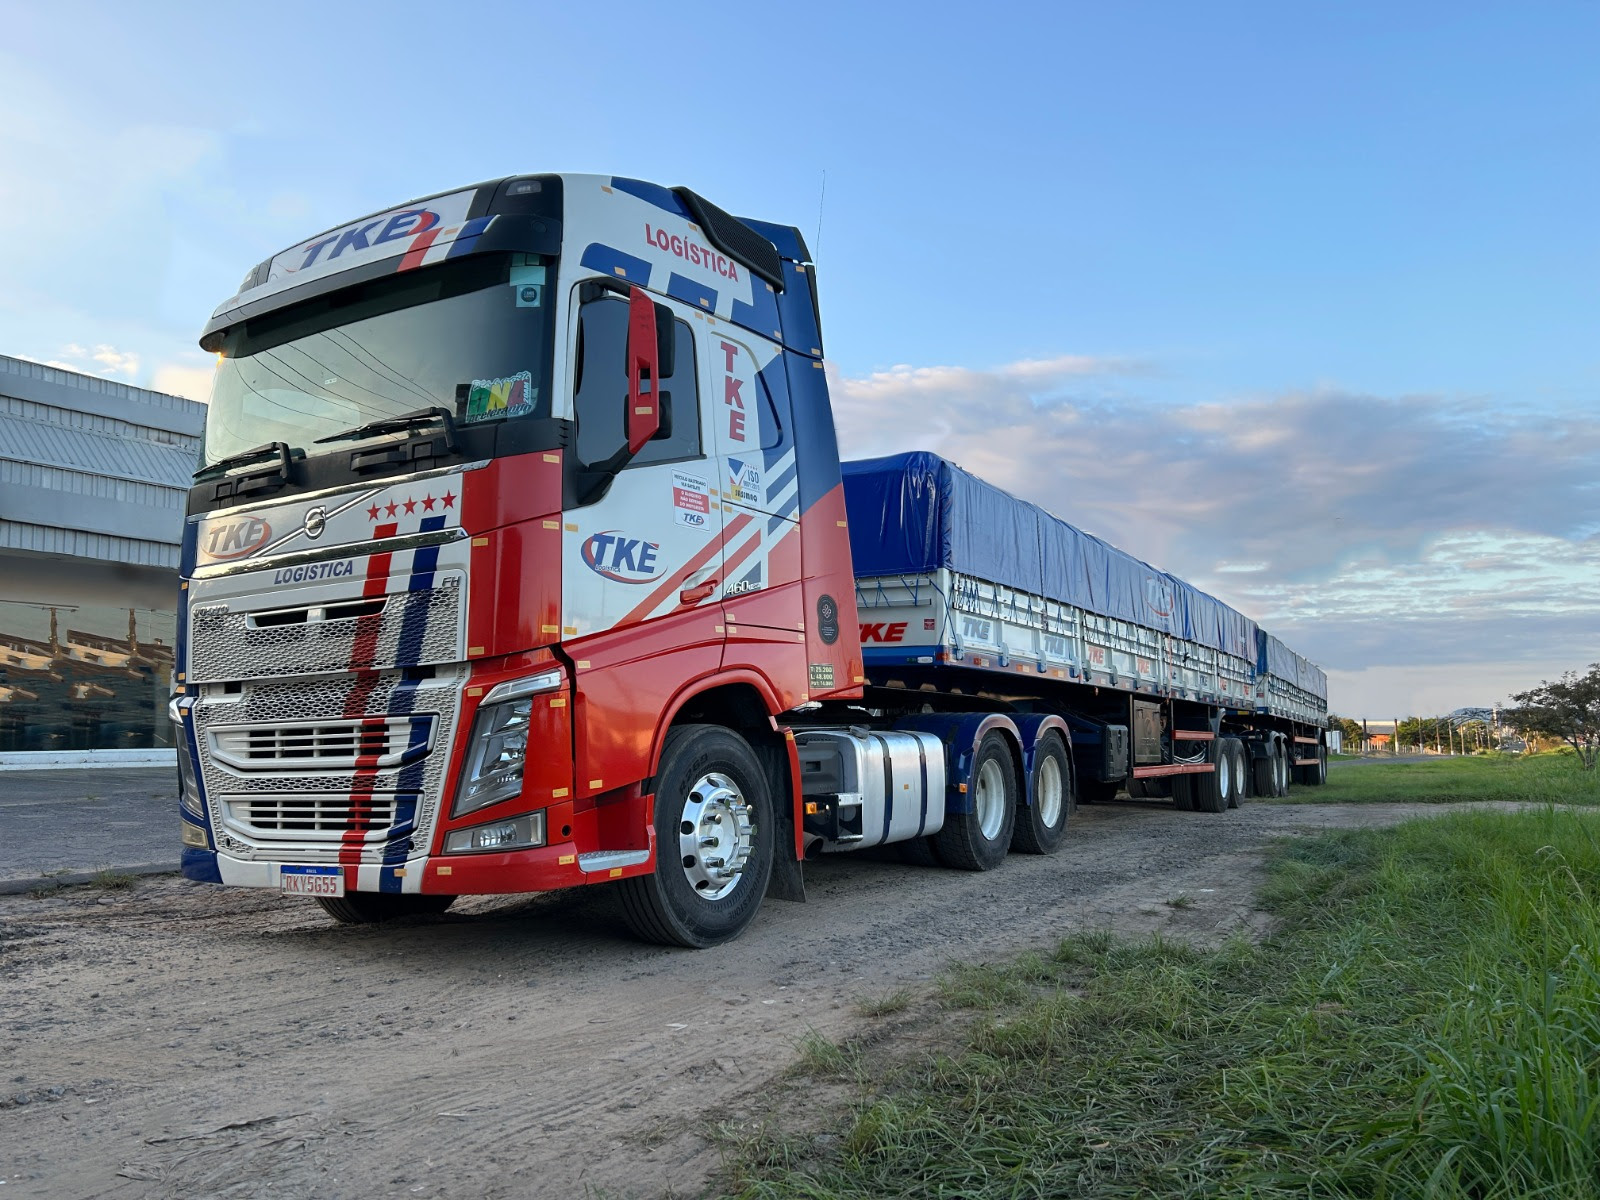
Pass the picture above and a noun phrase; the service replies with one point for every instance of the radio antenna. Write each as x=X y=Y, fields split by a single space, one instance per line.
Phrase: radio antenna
x=816 y=250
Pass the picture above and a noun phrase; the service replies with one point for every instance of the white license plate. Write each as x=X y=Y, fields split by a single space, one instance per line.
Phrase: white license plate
x=311 y=881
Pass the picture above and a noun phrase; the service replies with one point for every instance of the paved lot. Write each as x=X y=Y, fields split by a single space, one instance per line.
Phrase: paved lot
x=86 y=819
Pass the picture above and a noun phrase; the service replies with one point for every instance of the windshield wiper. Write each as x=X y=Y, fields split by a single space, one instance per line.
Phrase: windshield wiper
x=270 y=479
x=410 y=420
x=409 y=453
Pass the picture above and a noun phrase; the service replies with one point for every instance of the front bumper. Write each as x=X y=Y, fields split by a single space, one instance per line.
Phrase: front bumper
x=541 y=869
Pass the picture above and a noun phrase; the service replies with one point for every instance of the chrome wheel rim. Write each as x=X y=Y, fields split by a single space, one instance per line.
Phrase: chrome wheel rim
x=989 y=798
x=715 y=835
x=1225 y=774
x=1048 y=792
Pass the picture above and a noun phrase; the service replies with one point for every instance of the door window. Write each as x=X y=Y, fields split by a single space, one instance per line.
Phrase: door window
x=602 y=387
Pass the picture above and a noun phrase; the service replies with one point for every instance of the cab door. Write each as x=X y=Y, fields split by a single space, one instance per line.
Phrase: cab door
x=641 y=547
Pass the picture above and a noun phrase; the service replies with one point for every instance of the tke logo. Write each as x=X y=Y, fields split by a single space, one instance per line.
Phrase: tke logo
x=623 y=559
x=883 y=631
x=237 y=538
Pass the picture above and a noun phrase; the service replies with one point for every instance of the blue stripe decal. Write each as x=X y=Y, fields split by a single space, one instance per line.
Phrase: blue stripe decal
x=696 y=295
x=762 y=316
x=775 y=523
x=651 y=193
x=922 y=761
x=610 y=261
x=395 y=852
x=468 y=237
x=414 y=625
x=888 y=787
x=201 y=865
x=782 y=481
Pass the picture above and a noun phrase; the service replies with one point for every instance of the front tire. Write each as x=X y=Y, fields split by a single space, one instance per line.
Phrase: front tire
x=368 y=908
x=714 y=842
x=977 y=840
x=1041 y=825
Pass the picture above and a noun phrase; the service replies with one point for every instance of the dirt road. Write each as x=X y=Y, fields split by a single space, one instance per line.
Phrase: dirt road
x=178 y=1039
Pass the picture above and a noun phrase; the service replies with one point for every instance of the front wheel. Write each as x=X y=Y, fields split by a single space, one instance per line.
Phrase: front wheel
x=367 y=908
x=1041 y=824
x=977 y=840
x=714 y=831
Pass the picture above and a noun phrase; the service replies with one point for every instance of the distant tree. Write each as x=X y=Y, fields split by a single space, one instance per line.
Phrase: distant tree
x=1567 y=709
x=1351 y=730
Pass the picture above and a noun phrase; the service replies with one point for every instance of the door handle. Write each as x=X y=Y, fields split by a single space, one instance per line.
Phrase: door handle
x=700 y=591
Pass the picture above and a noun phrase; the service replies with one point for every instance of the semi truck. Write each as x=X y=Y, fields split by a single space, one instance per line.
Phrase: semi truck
x=521 y=556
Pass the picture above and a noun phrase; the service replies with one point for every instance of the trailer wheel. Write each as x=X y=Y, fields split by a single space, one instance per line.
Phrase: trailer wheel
x=1182 y=789
x=1264 y=775
x=1098 y=791
x=1280 y=766
x=1241 y=775
x=919 y=852
x=1211 y=790
x=713 y=821
x=366 y=908
x=1040 y=825
x=977 y=840
x=1316 y=774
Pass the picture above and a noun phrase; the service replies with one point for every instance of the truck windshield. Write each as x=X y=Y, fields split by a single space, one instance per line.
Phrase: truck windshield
x=471 y=337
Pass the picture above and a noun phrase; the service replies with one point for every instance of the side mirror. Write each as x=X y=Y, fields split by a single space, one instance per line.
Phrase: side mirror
x=643 y=416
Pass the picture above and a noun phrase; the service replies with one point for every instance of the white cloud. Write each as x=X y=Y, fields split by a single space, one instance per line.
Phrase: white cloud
x=1373 y=533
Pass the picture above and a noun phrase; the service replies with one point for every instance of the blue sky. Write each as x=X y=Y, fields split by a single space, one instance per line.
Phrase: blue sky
x=1302 y=305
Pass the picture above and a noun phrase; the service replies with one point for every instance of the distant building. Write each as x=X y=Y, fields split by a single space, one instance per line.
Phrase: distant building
x=93 y=477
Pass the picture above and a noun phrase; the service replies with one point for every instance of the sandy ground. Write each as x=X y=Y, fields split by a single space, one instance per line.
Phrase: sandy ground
x=178 y=1039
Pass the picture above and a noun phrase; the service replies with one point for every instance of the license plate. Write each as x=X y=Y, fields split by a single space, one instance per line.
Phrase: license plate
x=311 y=881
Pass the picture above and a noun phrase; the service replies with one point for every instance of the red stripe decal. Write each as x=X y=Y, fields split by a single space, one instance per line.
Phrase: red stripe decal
x=419 y=247
x=364 y=647
x=675 y=580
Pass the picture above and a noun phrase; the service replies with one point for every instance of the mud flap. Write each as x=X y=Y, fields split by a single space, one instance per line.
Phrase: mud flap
x=787 y=881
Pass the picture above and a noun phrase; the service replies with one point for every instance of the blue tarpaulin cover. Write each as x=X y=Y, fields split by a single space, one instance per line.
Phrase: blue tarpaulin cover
x=917 y=512
x=1274 y=658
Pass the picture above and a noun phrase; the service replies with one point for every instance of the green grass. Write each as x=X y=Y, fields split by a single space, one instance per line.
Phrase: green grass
x=1425 y=1023
x=1536 y=777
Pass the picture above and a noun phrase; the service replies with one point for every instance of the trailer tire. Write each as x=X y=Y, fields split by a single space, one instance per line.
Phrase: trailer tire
x=1280 y=766
x=367 y=908
x=1316 y=774
x=1263 y=775
x=709 y=785
x=1098 y=791
x=920 y=852
x=1182 y=789
x=1040 y=826
x=977 y=840
x=1211 y=790
x=1241 y=774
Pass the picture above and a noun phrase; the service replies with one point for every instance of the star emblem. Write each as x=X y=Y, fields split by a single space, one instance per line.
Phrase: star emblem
x=411 y=505
x=427 y=502
x=388 y=509
x=373 y=512
x=449 y=499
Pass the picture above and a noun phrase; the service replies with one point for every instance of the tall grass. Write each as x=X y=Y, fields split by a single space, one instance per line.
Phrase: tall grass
x=1426 y=1023
x=1535 y=778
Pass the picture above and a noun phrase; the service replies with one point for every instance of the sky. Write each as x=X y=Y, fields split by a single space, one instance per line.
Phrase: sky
x=1300 y=303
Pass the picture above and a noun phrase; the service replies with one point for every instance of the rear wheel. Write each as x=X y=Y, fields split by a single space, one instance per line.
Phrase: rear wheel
x=977 y=840
x=713 y=820
x=1098 y=791
x=1316 y=774
x=1181 y=788
x=1241 y=775
x=1040 y=825
x=1211 y=790
x=1263 y=776
x=1280 y=766
x=366 y=908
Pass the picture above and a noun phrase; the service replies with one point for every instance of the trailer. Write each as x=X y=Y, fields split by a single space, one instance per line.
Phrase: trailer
x=521 y=556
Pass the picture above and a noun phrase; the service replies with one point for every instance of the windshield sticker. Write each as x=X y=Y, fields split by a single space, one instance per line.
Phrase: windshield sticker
x=493 y=398
x=527 y=285
x=691 y=500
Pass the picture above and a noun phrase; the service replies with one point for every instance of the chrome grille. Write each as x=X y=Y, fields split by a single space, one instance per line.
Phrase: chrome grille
x=378 y=743
x=372 y=816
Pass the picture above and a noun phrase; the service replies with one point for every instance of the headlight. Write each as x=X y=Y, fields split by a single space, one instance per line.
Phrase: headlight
x=493 y=769
x=514 y=833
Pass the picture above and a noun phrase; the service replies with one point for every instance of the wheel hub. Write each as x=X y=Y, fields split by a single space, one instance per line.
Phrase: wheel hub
x=715 y=835
x=1048 y=792
x=990 y=798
